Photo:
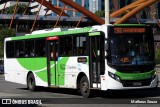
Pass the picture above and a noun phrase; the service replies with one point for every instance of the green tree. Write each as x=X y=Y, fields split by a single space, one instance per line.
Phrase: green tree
x=6 y=32
x=20 y=9
x=157 y=56
x=100 y=13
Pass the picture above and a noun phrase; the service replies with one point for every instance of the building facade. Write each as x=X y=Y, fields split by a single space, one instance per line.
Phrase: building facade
x=91 y=5
x=154 y=9
x=95 y=5
x=69 y=10
x=34 y=6
x=11 y=3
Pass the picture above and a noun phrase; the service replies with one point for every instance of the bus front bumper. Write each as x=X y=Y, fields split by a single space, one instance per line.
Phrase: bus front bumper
x=130 y=84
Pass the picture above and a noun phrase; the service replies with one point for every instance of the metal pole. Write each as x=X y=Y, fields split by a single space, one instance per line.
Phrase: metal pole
x=128 y=7
x=51 y=7
x=46 y=12
x=27 y=7
x=79 y=21
x=36 y=17
x=155 y=18
x=13 y=14
x=107 y=13
x=135 y=11
x=60 y=15
x=4 y=7
x=83 y=10
x=50 y=1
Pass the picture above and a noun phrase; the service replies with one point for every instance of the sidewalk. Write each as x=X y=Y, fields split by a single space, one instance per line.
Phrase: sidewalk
x=158 y=68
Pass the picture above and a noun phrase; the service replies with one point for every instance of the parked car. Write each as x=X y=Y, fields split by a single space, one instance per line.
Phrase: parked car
x=1 y=69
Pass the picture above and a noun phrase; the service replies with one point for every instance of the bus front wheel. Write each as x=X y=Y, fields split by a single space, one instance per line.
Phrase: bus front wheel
x=84 y=87
x=31 y=85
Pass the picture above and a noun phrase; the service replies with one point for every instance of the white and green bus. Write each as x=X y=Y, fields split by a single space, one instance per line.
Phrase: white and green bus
x=102 y=57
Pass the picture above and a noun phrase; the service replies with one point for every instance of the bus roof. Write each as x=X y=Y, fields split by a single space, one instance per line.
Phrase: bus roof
x=57 y=33
x=60 y=32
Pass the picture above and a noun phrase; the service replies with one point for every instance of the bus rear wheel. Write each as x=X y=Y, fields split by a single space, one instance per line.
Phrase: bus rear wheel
x=31 y=84
x=84 y=87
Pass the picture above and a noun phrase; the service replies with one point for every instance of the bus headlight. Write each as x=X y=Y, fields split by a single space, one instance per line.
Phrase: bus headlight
x=114 y=76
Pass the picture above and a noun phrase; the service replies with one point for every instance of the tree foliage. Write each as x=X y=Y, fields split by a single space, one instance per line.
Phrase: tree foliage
x=20 y=9
x=100 y=13
x=157 y=56
x=6 y=32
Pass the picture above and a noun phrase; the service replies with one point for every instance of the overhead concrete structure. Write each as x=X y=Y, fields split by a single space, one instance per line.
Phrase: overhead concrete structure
x=133 y=9
x=51 y=7
x=129 y=10
x=126 y=12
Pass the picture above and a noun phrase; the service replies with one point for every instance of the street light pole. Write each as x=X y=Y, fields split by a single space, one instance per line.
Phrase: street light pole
x=107 y=13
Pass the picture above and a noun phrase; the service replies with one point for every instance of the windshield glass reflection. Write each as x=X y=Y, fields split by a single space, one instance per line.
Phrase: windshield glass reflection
x=127 y=50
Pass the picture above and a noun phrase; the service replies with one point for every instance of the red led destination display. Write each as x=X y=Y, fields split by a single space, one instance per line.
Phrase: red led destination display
x=52 y=38
x=129 y=30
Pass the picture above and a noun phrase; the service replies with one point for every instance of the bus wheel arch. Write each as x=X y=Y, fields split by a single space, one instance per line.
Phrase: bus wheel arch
x=31 y=83
x=83 y=85
x=80 y=75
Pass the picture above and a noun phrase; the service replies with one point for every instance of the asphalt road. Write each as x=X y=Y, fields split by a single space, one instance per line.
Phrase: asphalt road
x=70 y=97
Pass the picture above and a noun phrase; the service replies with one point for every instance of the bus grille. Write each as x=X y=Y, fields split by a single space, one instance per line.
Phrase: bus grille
x=136 y=83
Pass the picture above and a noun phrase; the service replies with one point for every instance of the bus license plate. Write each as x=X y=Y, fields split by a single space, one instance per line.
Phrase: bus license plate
x=137 y=83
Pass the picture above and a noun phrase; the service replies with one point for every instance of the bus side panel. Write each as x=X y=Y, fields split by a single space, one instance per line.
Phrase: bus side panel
x=71 y=69
x=14 y=72
x=36 y=65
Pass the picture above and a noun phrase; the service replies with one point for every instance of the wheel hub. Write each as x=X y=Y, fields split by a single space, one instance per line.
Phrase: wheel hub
x=84 y=86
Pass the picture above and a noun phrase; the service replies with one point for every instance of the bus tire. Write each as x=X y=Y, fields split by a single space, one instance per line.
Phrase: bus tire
x=84 y=87
x=31 y=84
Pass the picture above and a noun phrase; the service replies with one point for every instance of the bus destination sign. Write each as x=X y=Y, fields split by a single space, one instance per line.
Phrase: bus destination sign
x=52 y=38
x=128 y=30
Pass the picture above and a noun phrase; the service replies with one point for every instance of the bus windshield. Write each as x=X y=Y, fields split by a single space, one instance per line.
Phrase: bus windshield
x=131 y=49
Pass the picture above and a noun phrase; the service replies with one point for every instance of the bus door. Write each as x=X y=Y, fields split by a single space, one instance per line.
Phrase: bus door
x=52 y=57
x=96 y=52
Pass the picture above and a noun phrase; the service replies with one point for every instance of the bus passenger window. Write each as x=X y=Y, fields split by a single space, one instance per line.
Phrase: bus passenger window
x=79 y=45
x=52 y=55
x=29 y=48
x=26 y=53
x=73 y=45
x=19 y=46
x=40 y=48
x=10 y=49
x=66 y=46
x=32 y=52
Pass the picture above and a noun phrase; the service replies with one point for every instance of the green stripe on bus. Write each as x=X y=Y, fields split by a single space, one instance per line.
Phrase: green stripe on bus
x=135 y=76
x=59 y=33
x=36 y=65
x=39 y=67
x=33 y=64
x=61 y=70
